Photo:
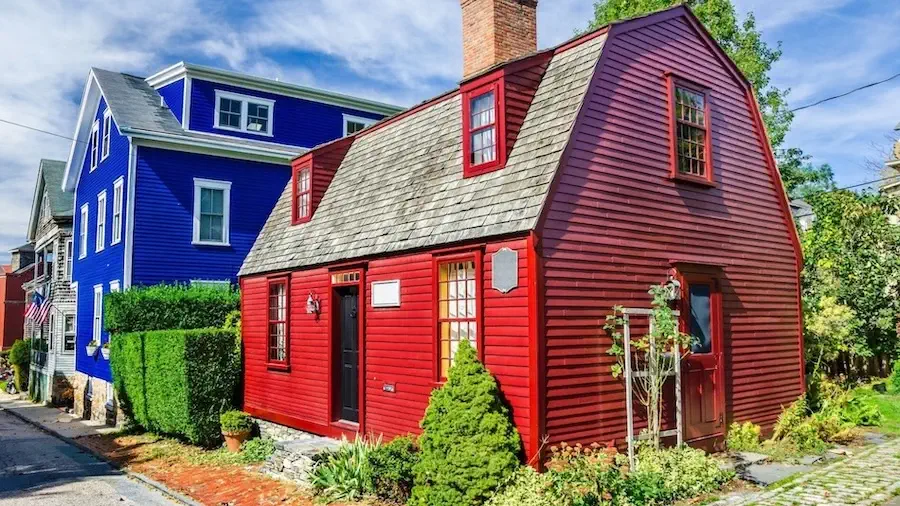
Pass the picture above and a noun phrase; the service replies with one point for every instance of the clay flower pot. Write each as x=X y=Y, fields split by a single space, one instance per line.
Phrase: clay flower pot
x=234 y=440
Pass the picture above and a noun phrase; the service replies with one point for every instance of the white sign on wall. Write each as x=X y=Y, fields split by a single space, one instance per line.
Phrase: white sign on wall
x=386 y=293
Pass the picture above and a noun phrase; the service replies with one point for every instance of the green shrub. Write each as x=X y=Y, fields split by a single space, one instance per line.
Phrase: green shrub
x=469 y=445
x=743 y=437
x=587 y=481
x=235 y=421
x=20 y=359
x=894 y=380
x=177 y=382
x=345 y=474
x=233 y=321
x=392 y=469
x=256 y=450
x=169 y=307
x=684 y=472
x=526 y=487
x=800 y=432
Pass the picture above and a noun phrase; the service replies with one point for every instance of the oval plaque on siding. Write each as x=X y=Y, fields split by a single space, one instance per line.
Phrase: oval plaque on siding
x=505 y=270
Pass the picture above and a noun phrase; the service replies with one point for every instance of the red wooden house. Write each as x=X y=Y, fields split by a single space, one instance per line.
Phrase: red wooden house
x=514 y=212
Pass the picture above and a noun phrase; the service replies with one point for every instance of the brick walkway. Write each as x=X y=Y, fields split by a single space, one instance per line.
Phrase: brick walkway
x=868 y=478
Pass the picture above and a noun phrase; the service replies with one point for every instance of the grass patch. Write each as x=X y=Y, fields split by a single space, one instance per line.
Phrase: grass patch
x=3 y=386
x=889 y=404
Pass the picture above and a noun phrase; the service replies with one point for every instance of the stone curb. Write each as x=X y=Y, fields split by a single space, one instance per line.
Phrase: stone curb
x=146 y=480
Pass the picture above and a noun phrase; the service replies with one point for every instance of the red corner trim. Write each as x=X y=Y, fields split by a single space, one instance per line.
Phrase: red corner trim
x=536 y=366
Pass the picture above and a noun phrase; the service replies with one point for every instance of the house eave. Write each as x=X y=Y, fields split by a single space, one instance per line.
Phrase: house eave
x=147 y=138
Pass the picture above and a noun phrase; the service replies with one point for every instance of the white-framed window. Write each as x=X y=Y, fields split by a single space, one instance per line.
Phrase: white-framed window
x=70 y=254
x=51 y=331
x=243 y=113
x=83 y=232
x=95 y=145
x=353 y=124
x=98 y=313
x=101 y=221
x=118 y=194
x=212 y=203
x=114 y=286
x=68 y=333
x=107 y=127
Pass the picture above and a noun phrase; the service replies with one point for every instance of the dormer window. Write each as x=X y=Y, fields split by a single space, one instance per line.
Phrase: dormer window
x=302 y=195
x=483 y=129
x=243 y=113
x=691 y=136
x=353 y=124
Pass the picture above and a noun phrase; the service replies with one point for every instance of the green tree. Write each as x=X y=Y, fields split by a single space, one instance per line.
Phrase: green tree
x=469 y=445
x=852 y=253
x=800 y=177
x=741 y=40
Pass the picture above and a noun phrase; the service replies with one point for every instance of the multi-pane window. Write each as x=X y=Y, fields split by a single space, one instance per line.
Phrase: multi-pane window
x=257 y=117
x=304 y=194
x=211 y=211
x=51 y=332
x=101 y=221
x=83 y=232
x=98 y=313
x=70 y=253
x=353 y=124
x=230 y=113
x=118 y=188
x=457 y=310
x=95 y=145
x=278 y=316
x=691 y=132
x=483 y=129
x=69 y=333
x=107 y=126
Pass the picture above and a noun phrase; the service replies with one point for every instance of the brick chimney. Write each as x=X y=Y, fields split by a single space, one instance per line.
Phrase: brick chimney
x=495 y=31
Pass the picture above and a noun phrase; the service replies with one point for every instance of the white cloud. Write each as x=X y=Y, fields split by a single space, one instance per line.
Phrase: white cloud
x=770 y=15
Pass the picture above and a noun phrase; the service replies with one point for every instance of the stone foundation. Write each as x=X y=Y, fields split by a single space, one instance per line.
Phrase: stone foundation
x=294 y=451
x=62 y=392
x=92 y=402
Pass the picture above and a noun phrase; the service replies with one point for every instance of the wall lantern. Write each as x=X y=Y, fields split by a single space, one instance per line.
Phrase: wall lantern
x=312 y=304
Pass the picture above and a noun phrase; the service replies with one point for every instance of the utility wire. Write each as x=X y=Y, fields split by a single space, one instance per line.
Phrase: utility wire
x=854 y=90
x=867 y=183
x=39 y=130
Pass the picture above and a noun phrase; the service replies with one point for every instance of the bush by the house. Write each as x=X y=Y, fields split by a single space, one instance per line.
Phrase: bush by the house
x=894 y=380
x=20 y=358
x=392 y=469
x=234 y=421
x=469 y=445
x=345 y=474
x=684 y=471
x=743 y=437
x=526 y=487
x=169 y=307
x=177 y=382
x=796 y=429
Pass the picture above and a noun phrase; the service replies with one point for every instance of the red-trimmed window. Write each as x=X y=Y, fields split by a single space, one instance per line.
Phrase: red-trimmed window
x=302 y=211
x=278 y=350
x=483 y=129
x=458 y=309
x=691 y=134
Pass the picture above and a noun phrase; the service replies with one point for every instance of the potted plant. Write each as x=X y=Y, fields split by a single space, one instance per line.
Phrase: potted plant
x=236 y=427
x=91 y=347
x=104 y=350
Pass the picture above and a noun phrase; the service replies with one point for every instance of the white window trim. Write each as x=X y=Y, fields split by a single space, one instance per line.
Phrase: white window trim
x=62 y=345
x=115 y=286
x=95 y=145
x=97 y=319
x=244 y=100
x=83 y=231
x=101 y=213
x=69 y=250
x=357 y=119
x=211 y=184
x=118 y=190
x=107 y=127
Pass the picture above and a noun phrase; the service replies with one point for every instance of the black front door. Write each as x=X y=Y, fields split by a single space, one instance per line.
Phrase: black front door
x=349 y=371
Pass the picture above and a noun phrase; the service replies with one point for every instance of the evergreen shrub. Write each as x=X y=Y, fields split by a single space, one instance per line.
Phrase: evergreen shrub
x=169 y=307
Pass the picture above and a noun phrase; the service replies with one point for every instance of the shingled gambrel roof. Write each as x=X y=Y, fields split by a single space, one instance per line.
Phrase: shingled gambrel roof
x=401 y=186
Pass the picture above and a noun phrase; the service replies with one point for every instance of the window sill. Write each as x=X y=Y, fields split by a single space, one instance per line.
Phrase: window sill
x=346 y=425
x=278 y=367
x=210 y=243
x=699 y=181
x=99 y=250
x=240 y=131
x=115 y=242
x=484 y=168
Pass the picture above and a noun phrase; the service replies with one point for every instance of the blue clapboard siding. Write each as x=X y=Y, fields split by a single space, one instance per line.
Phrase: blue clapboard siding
x=98 y=268
x=173 y=93
x=163 y=214
x=296 y=121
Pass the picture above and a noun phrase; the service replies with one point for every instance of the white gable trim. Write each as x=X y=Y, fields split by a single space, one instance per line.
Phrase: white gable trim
x=90 y=100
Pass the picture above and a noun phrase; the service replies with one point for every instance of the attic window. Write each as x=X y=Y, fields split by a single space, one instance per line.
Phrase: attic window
x=243 y=113
x=302 y=195
x=691 y=136
x=483 y=128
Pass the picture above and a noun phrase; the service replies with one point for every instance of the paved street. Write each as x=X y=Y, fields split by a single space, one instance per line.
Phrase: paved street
x=39 y=469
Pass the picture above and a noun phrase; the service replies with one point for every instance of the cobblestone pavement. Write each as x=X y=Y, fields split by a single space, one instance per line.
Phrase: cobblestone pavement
x=39 y=469
x=868 y=478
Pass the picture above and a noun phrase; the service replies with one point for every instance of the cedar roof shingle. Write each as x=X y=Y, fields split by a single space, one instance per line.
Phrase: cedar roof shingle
x=401 y=187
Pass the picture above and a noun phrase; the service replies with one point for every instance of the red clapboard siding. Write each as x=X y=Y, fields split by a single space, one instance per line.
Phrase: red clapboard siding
x=521 y=82
x=616 y=220
x=399 y=347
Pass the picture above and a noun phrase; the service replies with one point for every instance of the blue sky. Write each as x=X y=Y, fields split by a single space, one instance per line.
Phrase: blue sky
x=396 y=51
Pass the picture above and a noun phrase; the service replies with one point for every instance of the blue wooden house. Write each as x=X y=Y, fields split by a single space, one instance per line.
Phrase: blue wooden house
x=174 y=175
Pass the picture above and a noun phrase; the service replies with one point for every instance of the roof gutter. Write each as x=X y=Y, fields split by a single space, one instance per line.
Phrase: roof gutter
x=281 y=154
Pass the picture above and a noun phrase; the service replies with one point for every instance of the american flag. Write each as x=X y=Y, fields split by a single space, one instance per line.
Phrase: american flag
x=38 y=310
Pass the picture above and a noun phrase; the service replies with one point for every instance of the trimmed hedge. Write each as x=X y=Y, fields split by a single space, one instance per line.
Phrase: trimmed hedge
x=168 y=307
x=178 y=382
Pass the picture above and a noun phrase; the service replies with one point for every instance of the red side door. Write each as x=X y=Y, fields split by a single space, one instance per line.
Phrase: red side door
x=703 y=370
